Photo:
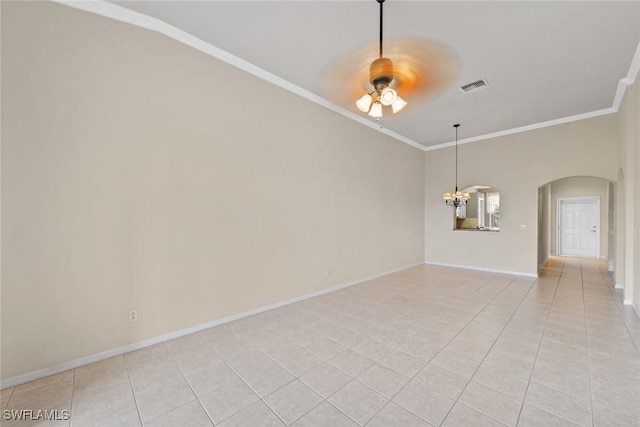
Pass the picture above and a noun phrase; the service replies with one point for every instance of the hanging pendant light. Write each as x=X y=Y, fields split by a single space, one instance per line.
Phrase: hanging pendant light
x=457 y=198
x=380 y=76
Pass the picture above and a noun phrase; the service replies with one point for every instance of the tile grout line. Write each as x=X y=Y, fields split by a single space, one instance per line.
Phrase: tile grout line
x=13 y=389
x=390 y=400
x=236 y=373
x=135 y=399
x=555 y=293
x=442 y=349
x=453 y=338
x=571 y=394
x=557 y=415
x=188 y=384
x=564 y=392
x=375 y=362
x=612 y=296
x=352 y=378
x=355 y=379
x=326 y=400
x=260 y=398
x=293 y=375
x=73 y=391
x=586 y=333
x=457 y=400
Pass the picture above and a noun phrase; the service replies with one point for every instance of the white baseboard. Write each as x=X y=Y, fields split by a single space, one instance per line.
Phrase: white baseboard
x=619 y=286
x=490 y=270
x=543 y=264
x=633 y=305
x=72 y=364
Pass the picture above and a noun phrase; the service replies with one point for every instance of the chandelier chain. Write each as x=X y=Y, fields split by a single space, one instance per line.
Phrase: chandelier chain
x=456 y=198
x=456 y=157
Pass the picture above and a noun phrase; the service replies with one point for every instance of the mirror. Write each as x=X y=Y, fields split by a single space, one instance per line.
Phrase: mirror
x=482 y=211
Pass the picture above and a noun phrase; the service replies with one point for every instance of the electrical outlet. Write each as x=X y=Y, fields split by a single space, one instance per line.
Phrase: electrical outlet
x=133 y=316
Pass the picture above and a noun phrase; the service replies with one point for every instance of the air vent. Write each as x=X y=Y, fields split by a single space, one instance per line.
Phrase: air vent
x=470 y=87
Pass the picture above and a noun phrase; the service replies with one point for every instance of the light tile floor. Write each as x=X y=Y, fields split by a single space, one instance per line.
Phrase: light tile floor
x=428 y=346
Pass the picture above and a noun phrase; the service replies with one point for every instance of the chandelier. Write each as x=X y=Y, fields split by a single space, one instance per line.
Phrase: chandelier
x=457 y=198
x=380 y=76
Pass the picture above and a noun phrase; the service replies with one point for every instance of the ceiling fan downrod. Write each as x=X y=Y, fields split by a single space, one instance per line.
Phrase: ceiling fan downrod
x=381 y=70
x=380 y=2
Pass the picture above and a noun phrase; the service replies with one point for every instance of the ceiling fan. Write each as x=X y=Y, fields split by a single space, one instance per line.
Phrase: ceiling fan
x=380 y=76
x=414 y=68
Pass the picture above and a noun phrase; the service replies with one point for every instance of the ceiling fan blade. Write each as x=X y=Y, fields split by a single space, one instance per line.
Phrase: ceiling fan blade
x=422 y=70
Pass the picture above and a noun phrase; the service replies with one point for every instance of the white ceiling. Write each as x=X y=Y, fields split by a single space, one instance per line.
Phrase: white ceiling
x=544 y=61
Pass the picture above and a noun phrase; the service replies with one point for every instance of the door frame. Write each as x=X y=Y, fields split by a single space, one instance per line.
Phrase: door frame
x=559 y=220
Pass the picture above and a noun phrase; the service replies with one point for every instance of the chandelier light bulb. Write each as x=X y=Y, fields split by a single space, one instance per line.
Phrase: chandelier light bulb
x=388 y=96
x=364 y=103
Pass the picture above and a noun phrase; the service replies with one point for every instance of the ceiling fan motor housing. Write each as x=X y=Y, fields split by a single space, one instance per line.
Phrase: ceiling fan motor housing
x=381 y=72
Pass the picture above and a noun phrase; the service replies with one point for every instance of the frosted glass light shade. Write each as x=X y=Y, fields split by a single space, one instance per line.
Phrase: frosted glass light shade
x=398 y=104
x=376 y=110
x=364 y=103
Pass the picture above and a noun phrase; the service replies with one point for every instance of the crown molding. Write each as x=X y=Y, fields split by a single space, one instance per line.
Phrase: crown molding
x=626 y=81
x=122 y=14
x=523 y=128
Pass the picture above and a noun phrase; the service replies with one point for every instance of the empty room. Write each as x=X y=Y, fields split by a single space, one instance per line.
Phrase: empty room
x=320 y=213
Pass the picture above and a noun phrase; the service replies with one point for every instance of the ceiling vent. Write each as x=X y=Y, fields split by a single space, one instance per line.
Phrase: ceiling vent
x=470 y=87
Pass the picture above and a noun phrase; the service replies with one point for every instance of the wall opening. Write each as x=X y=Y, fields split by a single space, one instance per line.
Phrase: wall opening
x=550 y=230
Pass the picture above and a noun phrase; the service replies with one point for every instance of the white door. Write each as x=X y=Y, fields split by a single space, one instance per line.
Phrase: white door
x=579 y=226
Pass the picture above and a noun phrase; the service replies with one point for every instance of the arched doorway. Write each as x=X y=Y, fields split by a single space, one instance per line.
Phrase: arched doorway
x=575 y=217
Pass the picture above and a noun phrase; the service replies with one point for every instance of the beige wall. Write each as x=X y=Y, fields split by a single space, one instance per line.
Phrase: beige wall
x=634 y=112
x=544 y=220
x=517 y=165
x=611 y=225
x=579 y=187
x=627 y=269
x=138 y=173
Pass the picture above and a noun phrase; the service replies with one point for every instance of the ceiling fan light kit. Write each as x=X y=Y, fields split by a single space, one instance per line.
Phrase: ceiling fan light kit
x=380 y=76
